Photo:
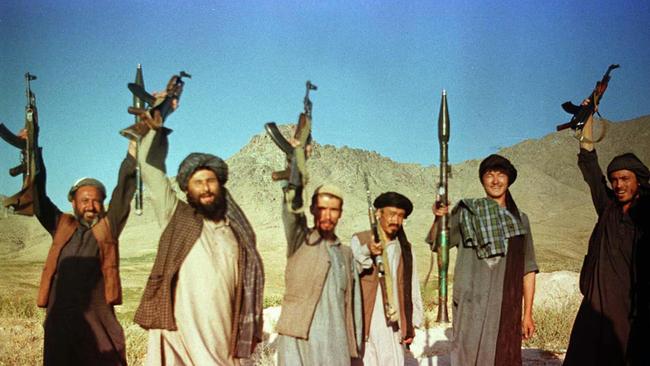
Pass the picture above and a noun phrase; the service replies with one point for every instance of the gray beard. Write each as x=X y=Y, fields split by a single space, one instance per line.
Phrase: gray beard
x=85 y=222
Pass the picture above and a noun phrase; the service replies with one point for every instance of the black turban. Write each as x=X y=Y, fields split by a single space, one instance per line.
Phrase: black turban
x=499 y=163
x=196 y=161
x=630 y=162
x=394 y=199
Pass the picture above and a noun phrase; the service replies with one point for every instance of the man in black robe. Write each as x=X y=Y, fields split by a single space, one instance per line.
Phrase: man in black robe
x=80 y=282
x=611 y=280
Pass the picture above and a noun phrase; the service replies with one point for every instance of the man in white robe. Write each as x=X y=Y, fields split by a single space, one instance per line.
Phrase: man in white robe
x=392 y=303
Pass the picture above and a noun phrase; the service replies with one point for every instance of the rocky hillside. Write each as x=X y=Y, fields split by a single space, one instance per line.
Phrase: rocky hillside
x=549 y=189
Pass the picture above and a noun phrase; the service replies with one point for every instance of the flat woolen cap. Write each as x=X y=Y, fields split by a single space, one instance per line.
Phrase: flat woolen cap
x=331 y=190
x=82 y=182
x=394 y=199
x=498 y=162
x=196 y=161
x=630 y=162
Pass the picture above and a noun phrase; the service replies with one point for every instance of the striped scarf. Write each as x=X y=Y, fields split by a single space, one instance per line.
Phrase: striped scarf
x=248 y=310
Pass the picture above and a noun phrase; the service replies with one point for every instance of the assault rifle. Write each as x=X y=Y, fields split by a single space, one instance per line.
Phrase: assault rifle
x=296 y=156
x=378 y=259
x=582 y=113
x=160 y=106
x=24 y=202
x=139 y=104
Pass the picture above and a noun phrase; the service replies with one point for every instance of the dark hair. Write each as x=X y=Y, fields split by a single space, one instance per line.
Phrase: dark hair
x=498 y=163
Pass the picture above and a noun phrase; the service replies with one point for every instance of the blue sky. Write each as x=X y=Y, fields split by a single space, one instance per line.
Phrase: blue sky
x=380 y=67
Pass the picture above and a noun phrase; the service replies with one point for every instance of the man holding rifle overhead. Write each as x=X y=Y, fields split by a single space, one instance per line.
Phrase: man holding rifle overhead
x=80 y=283
x=202 y=303
x=613 y=315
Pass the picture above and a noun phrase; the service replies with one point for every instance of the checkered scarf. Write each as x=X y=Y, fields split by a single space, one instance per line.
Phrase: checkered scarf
x=486 y=227
x=248 y=310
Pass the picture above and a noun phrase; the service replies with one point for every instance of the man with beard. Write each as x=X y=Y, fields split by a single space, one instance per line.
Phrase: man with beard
x=495 y=269
x=613 y=279
x=202 y=303
x=80 y=282
x=389 y=325
x=321 y=310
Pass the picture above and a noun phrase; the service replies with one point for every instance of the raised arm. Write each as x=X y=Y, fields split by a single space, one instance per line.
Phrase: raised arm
x=295 y=223
x=152 y=154
x=120 y=203
x=591 y=172
x=47 y=212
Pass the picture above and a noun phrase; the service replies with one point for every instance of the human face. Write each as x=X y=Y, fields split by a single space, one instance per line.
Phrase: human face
x=88 y=203
x=495 y=184
x=203 y=187
x=625 y=185
x=391 y=220
x=327 y=213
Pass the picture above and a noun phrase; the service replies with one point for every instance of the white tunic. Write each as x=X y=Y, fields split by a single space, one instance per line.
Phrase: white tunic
x=203 y=304
x=383 y=347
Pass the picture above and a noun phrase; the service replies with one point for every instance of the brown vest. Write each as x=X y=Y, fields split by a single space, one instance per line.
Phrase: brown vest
x=108 y=257
x=305 y=276
x=370 y=283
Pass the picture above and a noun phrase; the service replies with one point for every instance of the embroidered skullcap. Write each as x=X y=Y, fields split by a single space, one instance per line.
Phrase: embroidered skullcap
x=630 y=162
x=196 y=161
x=82 y=182
x=331 y=190
x=499 y=163
x=394 y=199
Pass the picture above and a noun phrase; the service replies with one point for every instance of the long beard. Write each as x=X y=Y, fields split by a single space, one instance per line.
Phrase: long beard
x=215 y=211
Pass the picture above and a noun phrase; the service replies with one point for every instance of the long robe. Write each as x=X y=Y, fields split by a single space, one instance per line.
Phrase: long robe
x=80 y=327
x=478 y=301
x=327 y=342
x=602 y=326
x=384 y=347
x=206 y=281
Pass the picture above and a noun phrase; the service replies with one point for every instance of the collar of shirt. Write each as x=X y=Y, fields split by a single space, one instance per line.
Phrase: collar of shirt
x=314 y=238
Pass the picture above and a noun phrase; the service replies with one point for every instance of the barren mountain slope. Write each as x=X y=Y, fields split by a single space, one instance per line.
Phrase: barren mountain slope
x=549 y=189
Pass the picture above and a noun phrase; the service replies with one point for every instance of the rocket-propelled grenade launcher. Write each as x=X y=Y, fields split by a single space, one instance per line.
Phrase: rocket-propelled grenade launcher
x=25 y=201
x=581 y=113
x=442 y=247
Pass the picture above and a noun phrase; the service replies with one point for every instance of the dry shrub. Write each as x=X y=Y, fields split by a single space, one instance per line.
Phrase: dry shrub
x=553 y=325
x=21 y=331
